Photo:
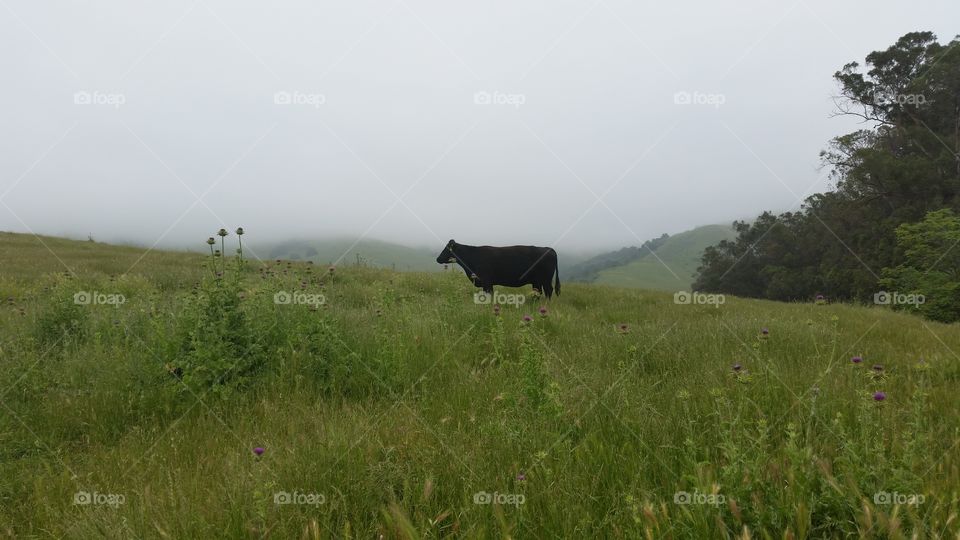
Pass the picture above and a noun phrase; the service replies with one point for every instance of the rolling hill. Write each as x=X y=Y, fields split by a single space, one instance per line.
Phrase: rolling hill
x=667 y=263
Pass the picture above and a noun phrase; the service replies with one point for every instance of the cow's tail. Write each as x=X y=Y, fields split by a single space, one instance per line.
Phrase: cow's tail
x=556 y=283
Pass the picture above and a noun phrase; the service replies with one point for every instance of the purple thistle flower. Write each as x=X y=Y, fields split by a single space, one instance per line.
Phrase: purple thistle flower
x=879 y=396
x=764 y=331
x=878 y=368
x=623 y=328
x=527 y=318
x=543 y=311
x=521 y=477
x=857 y=359
x=737 y=367
x=258 y=450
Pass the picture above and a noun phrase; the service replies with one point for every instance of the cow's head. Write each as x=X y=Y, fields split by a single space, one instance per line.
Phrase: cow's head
x=447 y=255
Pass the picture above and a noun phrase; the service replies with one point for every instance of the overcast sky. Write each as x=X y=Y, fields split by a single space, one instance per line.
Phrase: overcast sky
x=418 y=121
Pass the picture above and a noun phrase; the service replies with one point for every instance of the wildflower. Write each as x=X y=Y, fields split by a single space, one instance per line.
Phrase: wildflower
x=543 y=311
x=879 y=396
x=222 y=232
x=857 y=359
x=737 y=367
x=331 y=270
x=258 y=451
x=527 y=318
x=521 y=477
x=878 y=368
x=821 y=299
x=496 y=309
x=239 y=231
x=623 y=328
x=211 y=241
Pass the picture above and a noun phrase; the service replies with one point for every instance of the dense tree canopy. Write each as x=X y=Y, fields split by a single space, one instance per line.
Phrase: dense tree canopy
x=902 y=165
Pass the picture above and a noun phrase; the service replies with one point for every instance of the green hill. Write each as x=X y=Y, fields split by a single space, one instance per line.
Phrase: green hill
x=221 y=399
x=671 y=266
x=667 y=263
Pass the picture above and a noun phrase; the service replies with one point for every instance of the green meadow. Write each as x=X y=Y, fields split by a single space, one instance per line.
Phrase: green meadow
x=173 y=395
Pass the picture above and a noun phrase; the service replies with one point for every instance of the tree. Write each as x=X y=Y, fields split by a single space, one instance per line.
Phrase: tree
x=929 y=278
x=904 y=164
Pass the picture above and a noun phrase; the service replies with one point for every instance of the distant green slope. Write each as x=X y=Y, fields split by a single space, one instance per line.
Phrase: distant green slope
x=680 y=256
x=371 y=253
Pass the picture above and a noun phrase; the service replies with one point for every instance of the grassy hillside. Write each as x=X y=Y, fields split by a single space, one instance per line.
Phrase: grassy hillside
x=388 y=403
x=680 y=256
x=371 y=252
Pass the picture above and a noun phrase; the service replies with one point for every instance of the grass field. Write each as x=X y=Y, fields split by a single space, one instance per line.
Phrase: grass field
x=134 y=392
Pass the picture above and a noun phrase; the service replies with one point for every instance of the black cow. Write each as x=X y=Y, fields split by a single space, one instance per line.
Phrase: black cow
x=511 y=266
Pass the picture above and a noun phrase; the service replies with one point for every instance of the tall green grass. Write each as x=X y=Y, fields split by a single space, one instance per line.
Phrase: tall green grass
x=398 y=407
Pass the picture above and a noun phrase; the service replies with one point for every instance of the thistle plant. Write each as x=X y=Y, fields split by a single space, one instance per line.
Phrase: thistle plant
x=222 y=233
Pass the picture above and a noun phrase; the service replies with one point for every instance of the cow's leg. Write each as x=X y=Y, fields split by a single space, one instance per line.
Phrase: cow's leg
x=547 y=289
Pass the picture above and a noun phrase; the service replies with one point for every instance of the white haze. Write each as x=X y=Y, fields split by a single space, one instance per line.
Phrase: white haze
x=398 y=80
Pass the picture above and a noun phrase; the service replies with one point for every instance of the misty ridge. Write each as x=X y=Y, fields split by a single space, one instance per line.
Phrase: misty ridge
x=405 y=123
